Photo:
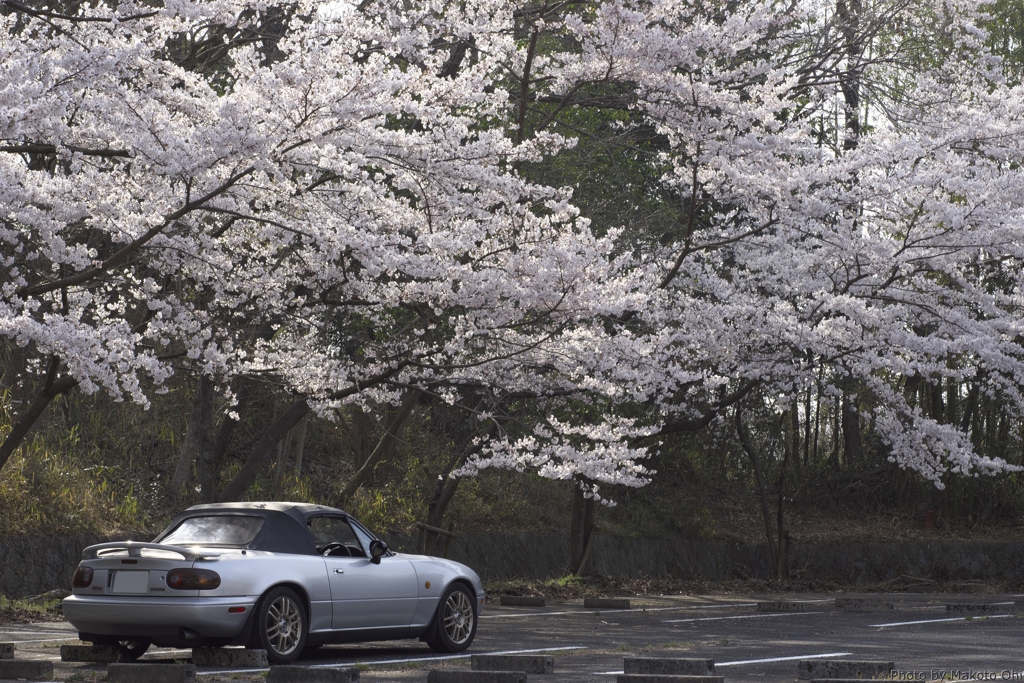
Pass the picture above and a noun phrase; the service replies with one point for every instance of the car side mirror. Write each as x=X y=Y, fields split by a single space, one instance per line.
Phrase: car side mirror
x=378 y=549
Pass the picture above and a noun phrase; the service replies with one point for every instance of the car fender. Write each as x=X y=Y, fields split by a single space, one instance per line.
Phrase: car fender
x=254 y=572
x=435 y=575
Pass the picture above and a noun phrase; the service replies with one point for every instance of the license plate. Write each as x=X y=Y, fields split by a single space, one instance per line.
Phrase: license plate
x=131 y=582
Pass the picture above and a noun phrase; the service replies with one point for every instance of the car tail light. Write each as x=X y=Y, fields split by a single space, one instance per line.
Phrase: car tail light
x=193 y=579
x=82 y=577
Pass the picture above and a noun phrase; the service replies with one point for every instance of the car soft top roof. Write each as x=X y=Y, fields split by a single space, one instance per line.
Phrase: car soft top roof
x=285 y=528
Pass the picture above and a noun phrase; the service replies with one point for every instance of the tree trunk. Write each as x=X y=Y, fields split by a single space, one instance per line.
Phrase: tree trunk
x=848 y=12
x=300 y=446
x=807 y=428
x=384 y=446
x=782 y=551
x=836 y=414
x=762 y=489
x=52 y=387
x=853 y=450
x=361 y=436
x=262 y=451
x=12 y=378
x=210 y=459
x=284 y=450
x=581 y=528
x=198 y=437
x=445 y=491
x=792 y=417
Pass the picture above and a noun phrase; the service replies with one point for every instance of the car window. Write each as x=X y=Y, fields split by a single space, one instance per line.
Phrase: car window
x=334 y=537
x=215 y=530
x=363 y=537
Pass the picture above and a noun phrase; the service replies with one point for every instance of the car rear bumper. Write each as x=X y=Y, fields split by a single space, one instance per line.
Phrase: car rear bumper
x=135 y=617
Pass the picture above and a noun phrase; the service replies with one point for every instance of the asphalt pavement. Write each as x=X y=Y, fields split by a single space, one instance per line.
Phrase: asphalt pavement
x=924 y=640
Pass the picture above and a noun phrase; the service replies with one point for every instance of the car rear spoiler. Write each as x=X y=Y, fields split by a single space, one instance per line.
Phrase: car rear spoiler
x=135 y=549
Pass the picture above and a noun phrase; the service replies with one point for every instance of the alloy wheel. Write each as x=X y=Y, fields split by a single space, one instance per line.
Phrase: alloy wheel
x=458 y=617
x=284 y=625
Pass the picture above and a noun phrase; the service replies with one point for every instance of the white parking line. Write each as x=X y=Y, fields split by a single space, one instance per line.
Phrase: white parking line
x=438 y=658
x=610 y=611
x=35 y=633
x=939 y=621
x=783 y=659
x=43 y=640
x=742 y=616
x=753 y=661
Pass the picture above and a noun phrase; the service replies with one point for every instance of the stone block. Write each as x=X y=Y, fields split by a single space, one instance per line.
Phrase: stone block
x=6 y=650
x=864 y=605
x=781 y=606
x=309 y=674
x=151 y=672
x=531 y=664
x=521 y=601
x=973 y=608
x=812 y=669
x=229 y=656
x=27 y=669
x=666 y=678
x=104 y=654
x=462 y=676
x=668 y=666
x=606 y=603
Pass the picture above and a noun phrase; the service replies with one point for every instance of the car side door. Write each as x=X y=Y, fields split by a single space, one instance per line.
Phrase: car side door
x=364 y=594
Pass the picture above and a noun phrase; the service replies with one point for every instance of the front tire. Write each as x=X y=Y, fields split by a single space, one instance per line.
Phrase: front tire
x=454 y=621
x=280 y=625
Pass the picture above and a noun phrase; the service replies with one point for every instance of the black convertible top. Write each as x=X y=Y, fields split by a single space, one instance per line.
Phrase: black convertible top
x=285 y=525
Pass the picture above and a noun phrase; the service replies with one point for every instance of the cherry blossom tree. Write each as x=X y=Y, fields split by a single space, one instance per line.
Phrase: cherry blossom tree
x=319 y=194
x=811 y=242
x=355 y=201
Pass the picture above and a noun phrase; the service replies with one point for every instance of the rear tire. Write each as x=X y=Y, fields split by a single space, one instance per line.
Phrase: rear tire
x=455 y=620
x=129 y=650
x=280 y=625
x=132 y=649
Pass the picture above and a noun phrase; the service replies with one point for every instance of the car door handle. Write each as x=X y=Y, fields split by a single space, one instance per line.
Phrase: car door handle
x=339 y=571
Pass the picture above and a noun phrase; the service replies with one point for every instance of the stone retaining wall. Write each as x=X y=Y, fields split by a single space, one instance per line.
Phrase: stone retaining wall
x=30 y=565
x=541 y=556
x=33 y=565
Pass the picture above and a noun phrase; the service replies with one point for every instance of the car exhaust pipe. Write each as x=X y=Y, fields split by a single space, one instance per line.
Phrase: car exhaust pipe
x=189 y=634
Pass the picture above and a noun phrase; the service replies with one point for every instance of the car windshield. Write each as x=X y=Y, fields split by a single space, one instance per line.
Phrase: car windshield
x=215 y=530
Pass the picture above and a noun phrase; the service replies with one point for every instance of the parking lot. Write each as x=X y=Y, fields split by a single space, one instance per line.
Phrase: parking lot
x=920 y=636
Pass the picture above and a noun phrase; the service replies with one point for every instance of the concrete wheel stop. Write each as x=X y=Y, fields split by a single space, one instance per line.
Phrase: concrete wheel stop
x=531 y=664
x=101 y=654
x=521 y=601
x=667 y=678
x=229 y=657
x=974 y=608
x=781 y=606
x=447 y=676
x=151 y=673
x=27 y=669
x=308 y=674
x=606 y=603
x=864 y=605
x=814 y=669
x=666 y=666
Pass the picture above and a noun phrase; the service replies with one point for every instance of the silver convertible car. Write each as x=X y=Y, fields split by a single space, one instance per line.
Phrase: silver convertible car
x=275 y=576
